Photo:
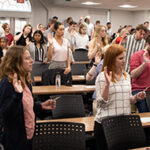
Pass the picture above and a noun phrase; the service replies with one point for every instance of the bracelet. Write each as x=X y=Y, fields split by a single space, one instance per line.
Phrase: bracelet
x=95 y=65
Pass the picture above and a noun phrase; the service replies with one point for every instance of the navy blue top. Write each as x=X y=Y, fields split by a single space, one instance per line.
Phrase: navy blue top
x=11 y=108
x=96 y=73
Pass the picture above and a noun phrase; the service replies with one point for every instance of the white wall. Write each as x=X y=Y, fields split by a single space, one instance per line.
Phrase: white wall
x=121 y=18
x=98 y=14
x=39 y=13
x=140 y=17
x=15 y=14
x=117 y=17
x=76 y=13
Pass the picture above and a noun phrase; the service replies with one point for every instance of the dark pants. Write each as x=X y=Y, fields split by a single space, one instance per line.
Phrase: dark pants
x=29 y=142
x=141 y=104
x=100 y=137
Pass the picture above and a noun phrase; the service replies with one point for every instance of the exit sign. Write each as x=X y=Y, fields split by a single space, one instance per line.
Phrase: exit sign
x=20 y=1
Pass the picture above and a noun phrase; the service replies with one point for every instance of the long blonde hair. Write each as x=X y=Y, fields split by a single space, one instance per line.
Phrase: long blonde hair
x=12 y=63
x=97 y=35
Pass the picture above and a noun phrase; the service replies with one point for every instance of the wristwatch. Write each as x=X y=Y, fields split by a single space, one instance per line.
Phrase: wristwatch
x=95 y=65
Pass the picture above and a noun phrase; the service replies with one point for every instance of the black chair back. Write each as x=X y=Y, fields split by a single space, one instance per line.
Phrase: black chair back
x=80 y=55
x=78 y=69
x=38 y=68
x=59 y=136
x=68 y=106
x=124 y=132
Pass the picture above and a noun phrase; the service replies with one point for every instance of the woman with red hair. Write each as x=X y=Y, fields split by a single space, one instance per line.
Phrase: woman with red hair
x=113 y=91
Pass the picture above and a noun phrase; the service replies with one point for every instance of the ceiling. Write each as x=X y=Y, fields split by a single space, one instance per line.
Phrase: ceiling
x=105 y=4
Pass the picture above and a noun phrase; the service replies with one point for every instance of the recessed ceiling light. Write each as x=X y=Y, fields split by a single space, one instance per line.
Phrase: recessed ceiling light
x=127 y=6
x=90 y=3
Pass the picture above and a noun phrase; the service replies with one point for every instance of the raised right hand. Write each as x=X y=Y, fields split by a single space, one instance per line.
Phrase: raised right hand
x=17 y=84
x=108 y=77
x=50 y=39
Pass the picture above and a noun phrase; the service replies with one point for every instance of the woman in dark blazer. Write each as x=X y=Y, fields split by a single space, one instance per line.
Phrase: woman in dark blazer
x=17 y=107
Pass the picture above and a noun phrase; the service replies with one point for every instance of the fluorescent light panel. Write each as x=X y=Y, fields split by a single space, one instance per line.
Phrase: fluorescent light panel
x=127 y=6
x=90 y=3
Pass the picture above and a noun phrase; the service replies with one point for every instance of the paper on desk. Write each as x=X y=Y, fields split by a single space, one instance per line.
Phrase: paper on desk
x=145 y=119
x=90 y=86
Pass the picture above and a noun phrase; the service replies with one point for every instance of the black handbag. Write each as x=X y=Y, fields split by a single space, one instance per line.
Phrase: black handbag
x=49 y=76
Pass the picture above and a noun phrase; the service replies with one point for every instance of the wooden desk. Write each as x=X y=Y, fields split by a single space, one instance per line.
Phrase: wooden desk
x=89 y=121
x=40 y=90
x=74 y=78
x=37 y=79
x=143 y=148
x=82 y=62
x=78 y=78
x=145 y=125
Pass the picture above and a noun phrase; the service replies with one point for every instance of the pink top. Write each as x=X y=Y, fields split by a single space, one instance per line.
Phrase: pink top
x=28 y=112
x=143 y=81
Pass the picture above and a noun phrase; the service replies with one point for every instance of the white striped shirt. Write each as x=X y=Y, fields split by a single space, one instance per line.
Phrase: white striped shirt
x=132 y=45
x=118 y=102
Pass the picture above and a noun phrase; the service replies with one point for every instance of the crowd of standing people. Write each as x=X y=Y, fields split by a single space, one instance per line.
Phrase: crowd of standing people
x=120 y=66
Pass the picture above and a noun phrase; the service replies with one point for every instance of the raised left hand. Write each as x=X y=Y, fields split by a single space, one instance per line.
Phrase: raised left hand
x=48 y=105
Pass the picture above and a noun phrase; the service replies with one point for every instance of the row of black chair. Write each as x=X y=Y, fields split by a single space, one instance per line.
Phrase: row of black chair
x=59 y=136
x=80 y=55
x=122 y=133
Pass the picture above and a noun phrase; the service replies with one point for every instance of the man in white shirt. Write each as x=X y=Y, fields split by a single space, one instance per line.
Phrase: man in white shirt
x=90 y=26
x=71 y=34
x=50 y=30
x=109 y=31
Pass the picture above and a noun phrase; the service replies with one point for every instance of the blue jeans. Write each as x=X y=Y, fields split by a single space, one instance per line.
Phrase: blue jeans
x=141 y=104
